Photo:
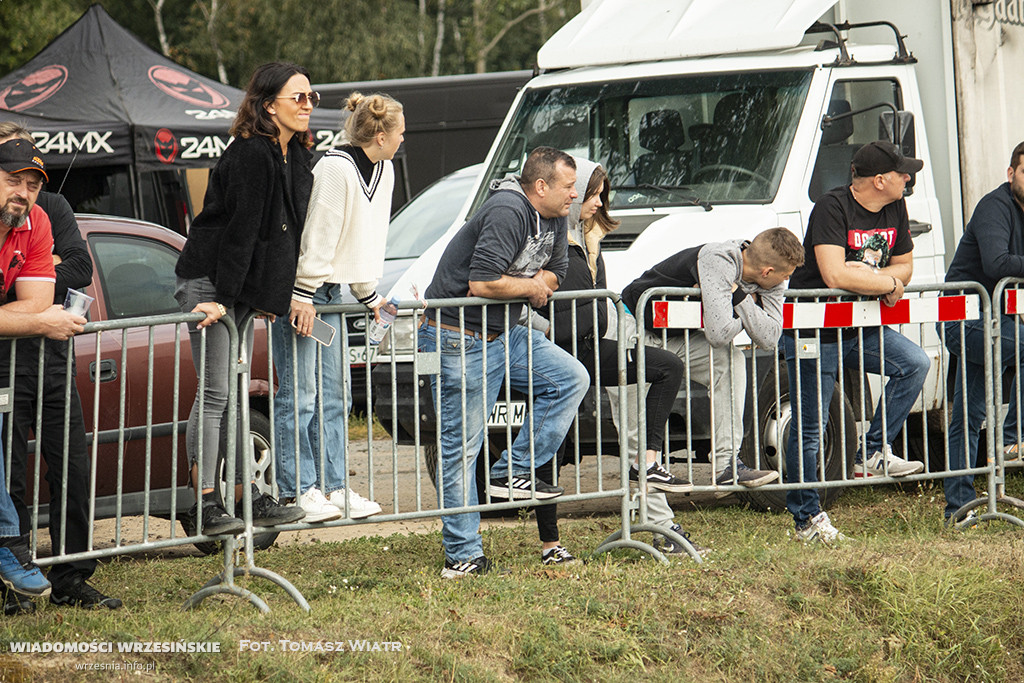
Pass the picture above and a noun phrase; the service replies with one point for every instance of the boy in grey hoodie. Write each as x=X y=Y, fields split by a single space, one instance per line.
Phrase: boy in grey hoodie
x=741 y=286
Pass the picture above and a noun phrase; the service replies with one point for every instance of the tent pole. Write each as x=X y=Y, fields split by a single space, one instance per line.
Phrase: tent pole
x=136 y=194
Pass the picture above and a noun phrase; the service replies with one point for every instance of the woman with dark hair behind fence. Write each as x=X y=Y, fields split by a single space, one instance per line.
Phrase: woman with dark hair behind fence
x=239 y=257
x=342 y=243
x=589 y=222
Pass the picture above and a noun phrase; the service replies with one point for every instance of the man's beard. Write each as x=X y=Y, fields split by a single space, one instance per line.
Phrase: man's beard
x=1018 y=191
x=11 y=219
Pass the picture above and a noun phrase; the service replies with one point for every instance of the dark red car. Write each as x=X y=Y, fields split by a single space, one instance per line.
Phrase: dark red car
x=133 y=277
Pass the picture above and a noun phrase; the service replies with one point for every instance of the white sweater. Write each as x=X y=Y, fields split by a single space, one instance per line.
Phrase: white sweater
x=346 y=227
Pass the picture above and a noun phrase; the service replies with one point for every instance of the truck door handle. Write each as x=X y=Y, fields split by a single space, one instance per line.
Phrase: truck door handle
x=108 y=370
x=919 y=228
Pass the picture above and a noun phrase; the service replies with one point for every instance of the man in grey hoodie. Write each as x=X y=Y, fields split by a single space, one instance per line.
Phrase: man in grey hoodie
x=513 y=248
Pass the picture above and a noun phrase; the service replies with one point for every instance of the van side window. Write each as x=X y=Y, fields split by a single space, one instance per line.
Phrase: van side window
x=844 y=137
x=136 y=274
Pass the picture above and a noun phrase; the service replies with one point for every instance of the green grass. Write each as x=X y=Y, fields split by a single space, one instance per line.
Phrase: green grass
x=357 y=428
x=903 y=600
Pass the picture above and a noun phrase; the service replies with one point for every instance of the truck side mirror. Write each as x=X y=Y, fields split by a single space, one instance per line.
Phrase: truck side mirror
x=900 y=130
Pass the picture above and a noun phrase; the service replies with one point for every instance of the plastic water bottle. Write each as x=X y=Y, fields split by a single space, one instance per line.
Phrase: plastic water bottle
x=388 y=310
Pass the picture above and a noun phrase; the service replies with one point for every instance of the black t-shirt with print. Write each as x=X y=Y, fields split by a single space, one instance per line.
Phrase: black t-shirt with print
x=871 y=237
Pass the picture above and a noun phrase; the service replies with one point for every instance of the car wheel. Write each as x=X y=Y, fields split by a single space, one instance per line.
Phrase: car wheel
x=774 y=423
x=259 y=430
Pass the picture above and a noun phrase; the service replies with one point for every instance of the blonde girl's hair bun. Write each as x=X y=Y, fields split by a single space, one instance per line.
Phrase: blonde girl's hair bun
x=353 y=101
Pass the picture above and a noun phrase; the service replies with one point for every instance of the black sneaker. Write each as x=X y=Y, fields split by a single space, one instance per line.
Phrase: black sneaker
x=216 y=520
x=77 y=593
x=266 y=511
x=457 y=570
x=745 y=476
x=661 y=479
x=14 y=603
x=498 y=488
x=556 y=555
x=669 y=547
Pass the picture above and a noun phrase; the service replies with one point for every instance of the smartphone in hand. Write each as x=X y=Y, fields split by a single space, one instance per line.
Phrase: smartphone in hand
x=322 y=332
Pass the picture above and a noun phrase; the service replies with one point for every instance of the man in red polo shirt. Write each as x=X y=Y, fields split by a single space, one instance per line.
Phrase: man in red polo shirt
x=26 y=308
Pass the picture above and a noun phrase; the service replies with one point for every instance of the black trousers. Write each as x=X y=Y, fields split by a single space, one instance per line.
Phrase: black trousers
x=22 y=421
x=663 y=371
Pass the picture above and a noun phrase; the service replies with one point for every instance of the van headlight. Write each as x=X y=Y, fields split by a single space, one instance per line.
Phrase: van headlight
x=401 y=338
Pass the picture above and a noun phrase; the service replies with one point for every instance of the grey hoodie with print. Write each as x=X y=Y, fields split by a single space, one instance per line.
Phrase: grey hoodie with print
x=506 y=236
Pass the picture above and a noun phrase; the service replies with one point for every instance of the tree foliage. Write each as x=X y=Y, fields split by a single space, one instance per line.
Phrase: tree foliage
x=337 y=40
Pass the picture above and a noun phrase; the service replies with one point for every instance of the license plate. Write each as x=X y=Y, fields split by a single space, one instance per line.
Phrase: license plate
x=361 y=355
x=512 y=413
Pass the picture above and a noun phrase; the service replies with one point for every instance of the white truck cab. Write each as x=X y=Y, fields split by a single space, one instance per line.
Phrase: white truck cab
x=706 y=146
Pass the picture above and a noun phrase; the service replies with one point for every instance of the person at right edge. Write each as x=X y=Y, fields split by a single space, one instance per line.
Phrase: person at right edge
x=842 y=251
x=992 y=248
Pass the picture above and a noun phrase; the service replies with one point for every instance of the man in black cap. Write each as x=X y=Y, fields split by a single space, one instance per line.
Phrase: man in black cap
x=869 y=212
x=68 y=517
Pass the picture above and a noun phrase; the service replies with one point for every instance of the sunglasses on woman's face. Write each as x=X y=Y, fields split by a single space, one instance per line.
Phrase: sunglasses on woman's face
x=301 y=98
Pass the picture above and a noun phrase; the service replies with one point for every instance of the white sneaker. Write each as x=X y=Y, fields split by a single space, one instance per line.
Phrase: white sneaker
x=898 y=467
x=358 y=507
x=317 y=508
x=819 y=530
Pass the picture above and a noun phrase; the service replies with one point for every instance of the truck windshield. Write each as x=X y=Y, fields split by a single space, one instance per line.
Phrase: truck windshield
x=719 y=138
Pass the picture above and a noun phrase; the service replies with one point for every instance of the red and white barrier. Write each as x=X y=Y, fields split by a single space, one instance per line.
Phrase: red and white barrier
x=1014 y=301
x=831 y=314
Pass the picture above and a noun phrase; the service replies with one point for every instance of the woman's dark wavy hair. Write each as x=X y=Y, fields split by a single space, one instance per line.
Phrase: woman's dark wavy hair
x=266 y=82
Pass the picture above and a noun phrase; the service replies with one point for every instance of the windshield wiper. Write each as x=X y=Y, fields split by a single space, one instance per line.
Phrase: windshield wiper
x=686 y=199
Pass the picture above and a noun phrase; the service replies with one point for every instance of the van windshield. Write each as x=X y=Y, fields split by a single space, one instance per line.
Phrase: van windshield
x=719 y=138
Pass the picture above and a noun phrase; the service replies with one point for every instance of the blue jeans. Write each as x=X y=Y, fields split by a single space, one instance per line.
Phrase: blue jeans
x=906 y=366
x=296 y=368
x=559 y=383
x=960 y=490
x=8 y=515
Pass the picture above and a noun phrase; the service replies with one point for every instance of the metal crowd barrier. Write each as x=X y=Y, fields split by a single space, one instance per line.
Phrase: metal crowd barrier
x=399 y=392
x=1009 y=301
x=134 y=462
x=400 y=395
x=856 y=393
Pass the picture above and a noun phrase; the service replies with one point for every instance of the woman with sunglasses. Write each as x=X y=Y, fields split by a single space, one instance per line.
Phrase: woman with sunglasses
x=239 y=257
x=343 y=244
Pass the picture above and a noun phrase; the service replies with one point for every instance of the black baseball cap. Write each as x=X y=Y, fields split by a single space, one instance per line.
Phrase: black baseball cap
x=21 y=155
x=882 y=156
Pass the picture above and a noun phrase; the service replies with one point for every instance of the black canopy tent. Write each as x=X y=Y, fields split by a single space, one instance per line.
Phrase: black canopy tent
x=119 y=123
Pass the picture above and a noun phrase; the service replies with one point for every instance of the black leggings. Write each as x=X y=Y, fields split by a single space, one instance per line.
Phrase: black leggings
x=664 y=372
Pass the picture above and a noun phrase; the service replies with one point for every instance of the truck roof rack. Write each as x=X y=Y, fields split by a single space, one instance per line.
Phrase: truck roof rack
x=902 y=56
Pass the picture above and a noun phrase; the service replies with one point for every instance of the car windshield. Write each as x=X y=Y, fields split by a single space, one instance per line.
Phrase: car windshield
x=719 y=138
x=422 y=221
